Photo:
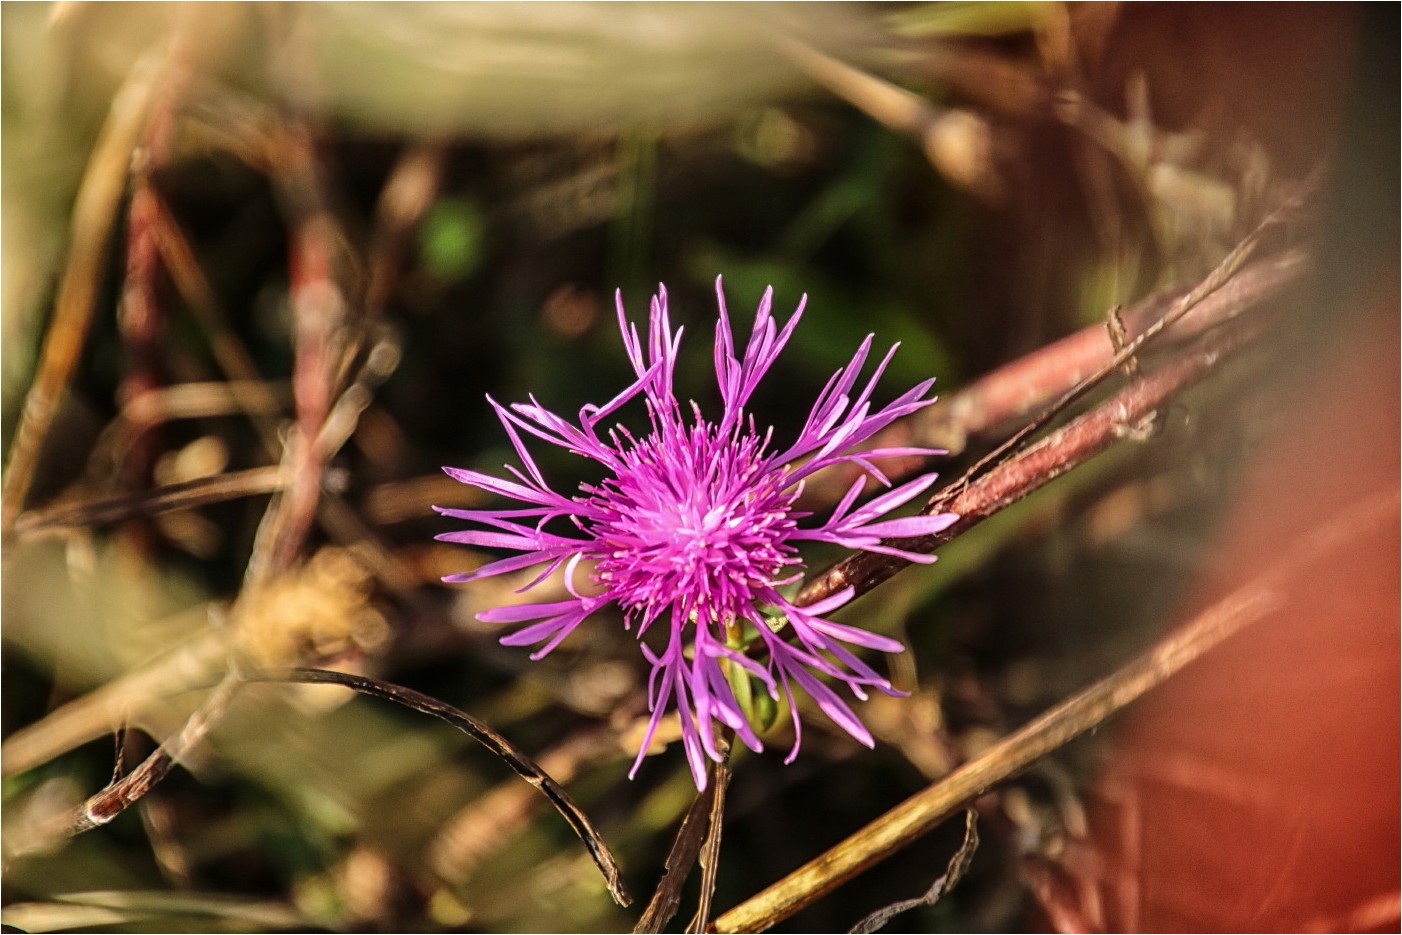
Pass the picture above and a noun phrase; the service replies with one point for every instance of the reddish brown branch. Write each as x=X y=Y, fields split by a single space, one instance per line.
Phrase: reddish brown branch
x=94 y=213
x=185 y=495
x=140 y=316
x=120 y=794
x=141 y=313
x=1031 y=383
x=1073 y=444
x=325 y=339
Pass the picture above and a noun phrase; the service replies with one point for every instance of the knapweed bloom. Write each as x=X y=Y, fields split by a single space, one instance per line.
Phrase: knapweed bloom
x=695 y=523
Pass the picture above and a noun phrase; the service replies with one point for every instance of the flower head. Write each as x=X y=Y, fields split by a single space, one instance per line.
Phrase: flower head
x=695 y=523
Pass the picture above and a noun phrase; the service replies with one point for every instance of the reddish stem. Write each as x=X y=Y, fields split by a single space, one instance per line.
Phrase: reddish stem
x=1075 y=443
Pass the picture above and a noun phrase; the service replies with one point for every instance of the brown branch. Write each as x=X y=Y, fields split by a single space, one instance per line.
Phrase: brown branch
x=119 y=795
x=1032 y=382
x=698 y=840
x=1073 y=444
x=1219 y=277
x=710 y=849
x=94 y=213
x=140 y=315
x=1082 y=712
x=201 y=400
x=182 y=496
x=680 y=859
x=141 y=312
x=106 y=805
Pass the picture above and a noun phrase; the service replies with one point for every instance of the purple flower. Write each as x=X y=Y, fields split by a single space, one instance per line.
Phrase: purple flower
x=696 y=522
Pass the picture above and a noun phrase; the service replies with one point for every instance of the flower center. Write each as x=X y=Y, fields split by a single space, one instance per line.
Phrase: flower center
x=696 y=520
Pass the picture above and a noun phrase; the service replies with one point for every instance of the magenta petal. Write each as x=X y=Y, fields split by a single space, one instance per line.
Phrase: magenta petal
x=511 y=563
x=825 y=606
x=911 y=526
x=515 y=613
x=857 y=636
x=834 y=707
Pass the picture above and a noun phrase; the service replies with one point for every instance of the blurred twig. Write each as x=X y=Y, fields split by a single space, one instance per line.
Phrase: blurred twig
x=106 y=805
x=1055 y=728
x=130 y=697
x=202 y=401
x=958 y=143
x=326 y=334
x=147 y=910
x=140 y=315
x=182 y=496
x=406 y=196
x=94 y=213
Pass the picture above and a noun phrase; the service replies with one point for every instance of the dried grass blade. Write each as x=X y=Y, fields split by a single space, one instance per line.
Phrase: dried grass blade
x=685 y=847
x=182 y=496
x=710 y=850
x=958 y=866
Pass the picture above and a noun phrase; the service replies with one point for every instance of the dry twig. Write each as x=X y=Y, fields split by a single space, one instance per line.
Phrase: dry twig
x=94 y=213
x=181 y=496
x=1073 y=444
x=106 y=805
x=691 y=835
x=954 y=872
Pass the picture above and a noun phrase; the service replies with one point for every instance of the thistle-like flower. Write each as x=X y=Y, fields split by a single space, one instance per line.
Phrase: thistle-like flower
x=695 y=521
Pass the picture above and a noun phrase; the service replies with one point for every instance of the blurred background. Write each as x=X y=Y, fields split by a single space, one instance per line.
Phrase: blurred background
x=262 y=262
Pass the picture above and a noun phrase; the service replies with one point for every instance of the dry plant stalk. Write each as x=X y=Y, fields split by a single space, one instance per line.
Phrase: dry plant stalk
x=94 y=215
x=1075 y=443
x=1031 y=382
x=691 y=834
x=184 y=495
x=1001 y=478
